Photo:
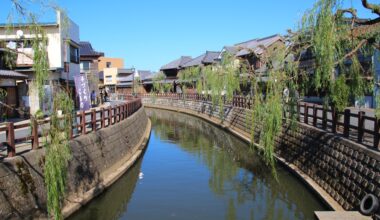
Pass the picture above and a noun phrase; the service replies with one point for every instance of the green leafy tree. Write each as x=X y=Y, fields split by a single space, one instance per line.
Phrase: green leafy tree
x=57 y=144
x=159 y=84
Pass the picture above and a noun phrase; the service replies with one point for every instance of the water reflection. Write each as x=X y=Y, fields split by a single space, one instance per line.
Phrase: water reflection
x=114 y=201
x=194 y=170
x=225 y=156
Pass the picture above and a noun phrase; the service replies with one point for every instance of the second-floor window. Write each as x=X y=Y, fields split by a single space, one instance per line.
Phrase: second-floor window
x=74 y=54
x=108 y=79
x=85 y=65
x=108 y=64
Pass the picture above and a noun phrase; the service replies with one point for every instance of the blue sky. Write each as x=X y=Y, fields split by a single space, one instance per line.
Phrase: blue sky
x=151 y=33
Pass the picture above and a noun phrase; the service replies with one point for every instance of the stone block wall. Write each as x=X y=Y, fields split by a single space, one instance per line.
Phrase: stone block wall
x=347 y=171
x=94 y=156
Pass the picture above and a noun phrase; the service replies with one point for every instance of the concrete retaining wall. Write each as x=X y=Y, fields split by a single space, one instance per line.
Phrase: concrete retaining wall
x=340 y=171
x=98 y=160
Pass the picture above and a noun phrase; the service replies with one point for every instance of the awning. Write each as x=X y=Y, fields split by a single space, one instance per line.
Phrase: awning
x=9 y=74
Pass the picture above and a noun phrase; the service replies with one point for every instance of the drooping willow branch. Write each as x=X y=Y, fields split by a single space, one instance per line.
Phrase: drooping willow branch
x=373 y=7
x=353 y=52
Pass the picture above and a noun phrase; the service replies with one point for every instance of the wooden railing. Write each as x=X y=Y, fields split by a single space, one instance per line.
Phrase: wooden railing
x=237 y=101
x=356 y=126
x=86 y=122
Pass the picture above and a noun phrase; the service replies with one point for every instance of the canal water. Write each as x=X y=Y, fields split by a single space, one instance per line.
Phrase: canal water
x=194 y=170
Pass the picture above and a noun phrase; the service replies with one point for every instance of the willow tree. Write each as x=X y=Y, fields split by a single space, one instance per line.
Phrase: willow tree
x=337 y=39
x=57 y=143
x=189 y=76
x=336 y=42
x=159 y=84
x=220 y=80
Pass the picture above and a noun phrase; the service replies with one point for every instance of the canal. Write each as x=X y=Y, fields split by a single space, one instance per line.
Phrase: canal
x=194 y=170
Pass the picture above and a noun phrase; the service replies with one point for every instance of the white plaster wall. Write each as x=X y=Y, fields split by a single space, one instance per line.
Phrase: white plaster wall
x=58 y=50
x=110 y=72
x=69 y=32
x=53 y=48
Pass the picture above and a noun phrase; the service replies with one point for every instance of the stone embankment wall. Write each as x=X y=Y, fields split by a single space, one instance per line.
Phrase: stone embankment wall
x=341 y=172
x=98 y=159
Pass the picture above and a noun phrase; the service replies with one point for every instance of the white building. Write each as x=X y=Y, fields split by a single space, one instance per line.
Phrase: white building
x=63 y=56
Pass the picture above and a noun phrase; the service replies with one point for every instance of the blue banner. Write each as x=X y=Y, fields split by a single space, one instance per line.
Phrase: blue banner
x=81 y=87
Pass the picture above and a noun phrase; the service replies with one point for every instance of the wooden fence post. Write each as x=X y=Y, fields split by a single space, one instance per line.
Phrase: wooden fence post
x=122 y=112
x=114 y=113
x=347 y=116
x=109 y=116
x=93 y=119
x=334 y=116
x=361 y=126
x=315 y=114
x=102 y=122
x=117 y=114
x=83 y=122
x=72 y=124
x=126 y=110
x=298 y=111
x=306 y=113
x=376 y=136
x=10 y=134
x=324 y=119
x=35 y=134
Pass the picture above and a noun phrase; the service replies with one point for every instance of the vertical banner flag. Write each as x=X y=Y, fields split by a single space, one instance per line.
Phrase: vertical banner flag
x=81 y=86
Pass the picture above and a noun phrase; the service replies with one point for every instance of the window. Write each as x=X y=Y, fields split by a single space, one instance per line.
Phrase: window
x=74 y=54
x=85 y=65
x=108 y=79
x=24 y=44
x=108 y=64
x=19 y=44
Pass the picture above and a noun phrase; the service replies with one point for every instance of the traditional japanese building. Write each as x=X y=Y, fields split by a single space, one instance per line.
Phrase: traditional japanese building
x=89 y=65
x=63 y=57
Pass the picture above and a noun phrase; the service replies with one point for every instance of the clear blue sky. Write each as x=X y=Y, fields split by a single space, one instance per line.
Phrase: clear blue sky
x=151 y=33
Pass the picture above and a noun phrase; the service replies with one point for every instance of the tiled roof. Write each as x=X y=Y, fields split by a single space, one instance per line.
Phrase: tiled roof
x=206 y=58
x=12 y=74
x=149 y=79
x=125 y=71
x=87 y=50
x=228 y=49
x=176 y=64
x=211 y=56
x=195 y=62
x=144 y=74
x=231 y=49
x=256 y=46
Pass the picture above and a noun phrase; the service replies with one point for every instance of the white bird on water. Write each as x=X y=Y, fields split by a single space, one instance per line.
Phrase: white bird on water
x=141 y=175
